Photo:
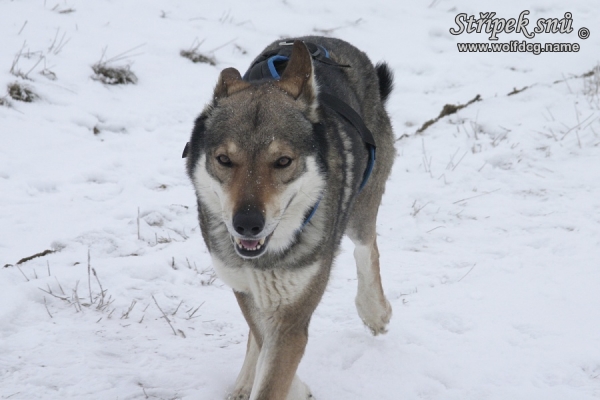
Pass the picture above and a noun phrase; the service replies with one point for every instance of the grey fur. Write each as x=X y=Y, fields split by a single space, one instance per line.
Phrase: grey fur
x=260 y=112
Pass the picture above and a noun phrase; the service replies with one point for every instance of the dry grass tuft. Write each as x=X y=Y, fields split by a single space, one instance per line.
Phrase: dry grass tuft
x=197 y=57
x=113 y=75
x=194 y=55
x=20 y=92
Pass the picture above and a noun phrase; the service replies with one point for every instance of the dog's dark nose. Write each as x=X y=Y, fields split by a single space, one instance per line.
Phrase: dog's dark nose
x=249 y=222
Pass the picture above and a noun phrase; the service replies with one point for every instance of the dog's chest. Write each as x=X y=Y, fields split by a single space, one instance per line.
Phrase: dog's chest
x=271 y=288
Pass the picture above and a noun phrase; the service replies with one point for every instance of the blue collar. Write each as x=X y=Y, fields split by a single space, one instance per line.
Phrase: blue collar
x=311 y=213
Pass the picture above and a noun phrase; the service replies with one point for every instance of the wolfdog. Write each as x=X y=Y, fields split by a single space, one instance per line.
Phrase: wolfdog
x=284 y=161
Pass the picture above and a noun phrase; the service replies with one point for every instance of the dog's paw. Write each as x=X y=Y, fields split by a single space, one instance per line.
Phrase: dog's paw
x=375 y=314
x=299 y=391
x=239 y=395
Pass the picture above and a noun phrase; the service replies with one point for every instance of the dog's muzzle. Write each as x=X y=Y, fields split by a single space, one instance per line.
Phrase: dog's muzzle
x=249 y=241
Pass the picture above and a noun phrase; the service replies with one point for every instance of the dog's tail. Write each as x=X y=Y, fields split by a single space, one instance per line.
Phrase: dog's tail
x=386 y=80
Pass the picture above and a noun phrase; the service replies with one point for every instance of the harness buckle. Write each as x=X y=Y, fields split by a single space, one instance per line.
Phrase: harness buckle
x=314 y=49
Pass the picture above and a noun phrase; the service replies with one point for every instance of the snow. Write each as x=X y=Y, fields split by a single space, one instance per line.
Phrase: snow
x=489 y=229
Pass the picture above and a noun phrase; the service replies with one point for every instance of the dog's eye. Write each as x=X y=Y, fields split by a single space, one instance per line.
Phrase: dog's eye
x=224 y=160
x=283 y=162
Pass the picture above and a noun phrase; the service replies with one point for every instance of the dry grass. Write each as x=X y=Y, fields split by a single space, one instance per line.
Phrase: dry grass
x=113 y=75
x=16 y=70
x=195 y=56
x=38 y=57
x=331 y=31
x=591 y=86
x=18 y=91
x=110 y=74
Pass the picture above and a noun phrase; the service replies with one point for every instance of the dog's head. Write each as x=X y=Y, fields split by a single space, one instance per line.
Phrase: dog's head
x=257 y=156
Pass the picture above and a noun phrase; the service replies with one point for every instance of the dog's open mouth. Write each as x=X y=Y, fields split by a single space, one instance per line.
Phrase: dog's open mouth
x=250 y=248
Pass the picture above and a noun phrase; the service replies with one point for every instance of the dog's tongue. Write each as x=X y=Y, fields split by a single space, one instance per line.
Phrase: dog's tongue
x=249 y=244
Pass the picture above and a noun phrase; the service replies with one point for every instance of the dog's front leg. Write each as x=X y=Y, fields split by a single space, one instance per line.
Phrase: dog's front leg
x=281 y=338
x=244 y=381
x=277 y=364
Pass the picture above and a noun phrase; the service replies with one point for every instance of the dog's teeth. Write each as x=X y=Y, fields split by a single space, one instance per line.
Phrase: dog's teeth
x=240 y=244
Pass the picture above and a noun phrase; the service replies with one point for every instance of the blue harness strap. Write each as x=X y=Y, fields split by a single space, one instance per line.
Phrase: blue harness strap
x=271 y=64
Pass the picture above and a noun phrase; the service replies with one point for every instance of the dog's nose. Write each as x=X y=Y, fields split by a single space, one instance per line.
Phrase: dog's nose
x=249 y=222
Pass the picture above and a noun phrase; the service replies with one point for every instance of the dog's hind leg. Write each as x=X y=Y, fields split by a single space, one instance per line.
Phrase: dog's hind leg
x=373 y=307
x=243 y=383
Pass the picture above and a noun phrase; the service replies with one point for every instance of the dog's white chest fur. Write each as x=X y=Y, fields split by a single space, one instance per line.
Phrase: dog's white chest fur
x=269 y=288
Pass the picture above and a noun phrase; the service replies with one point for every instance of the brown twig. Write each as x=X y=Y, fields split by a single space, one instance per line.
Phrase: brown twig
x=472 y=197
x=46 y=305
x=89 y=277
x=467 y=272
x=57 y=296
x=165 y=316
x=23 y=273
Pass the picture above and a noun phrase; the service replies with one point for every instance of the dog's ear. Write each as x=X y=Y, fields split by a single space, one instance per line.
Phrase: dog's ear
x=298 y=79
x=230 y=82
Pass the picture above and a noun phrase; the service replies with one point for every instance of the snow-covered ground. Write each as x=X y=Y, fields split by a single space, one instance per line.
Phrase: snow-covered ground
x=489 y=230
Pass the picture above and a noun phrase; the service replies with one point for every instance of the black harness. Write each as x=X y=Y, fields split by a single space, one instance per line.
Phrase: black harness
x=271 y=64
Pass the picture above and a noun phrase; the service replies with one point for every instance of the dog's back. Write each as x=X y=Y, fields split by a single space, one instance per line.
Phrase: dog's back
x=365 y=88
